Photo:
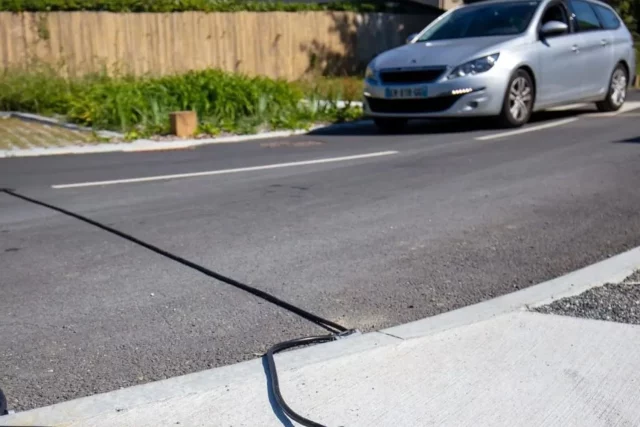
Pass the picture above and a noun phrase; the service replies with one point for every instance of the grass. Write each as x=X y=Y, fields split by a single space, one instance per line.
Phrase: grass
x=139 y=106
x=344 y=88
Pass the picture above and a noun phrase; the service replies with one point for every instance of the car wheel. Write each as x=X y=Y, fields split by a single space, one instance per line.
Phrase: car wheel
x=617 y=91
x=518 y=101
x=389 y=125
x=3 y=404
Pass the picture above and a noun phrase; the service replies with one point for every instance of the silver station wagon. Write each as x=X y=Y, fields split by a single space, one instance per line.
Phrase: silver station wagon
x=504 y=58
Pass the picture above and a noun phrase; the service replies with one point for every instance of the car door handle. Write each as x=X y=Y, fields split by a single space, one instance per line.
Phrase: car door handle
x=574 y=48
x=604 y=42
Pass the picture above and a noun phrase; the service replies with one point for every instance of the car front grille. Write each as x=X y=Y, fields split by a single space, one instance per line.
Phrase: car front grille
x=412 y=106
x=411 y=76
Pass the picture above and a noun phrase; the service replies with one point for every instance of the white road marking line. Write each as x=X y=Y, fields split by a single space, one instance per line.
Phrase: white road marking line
x=527 y=129
x=225 y=171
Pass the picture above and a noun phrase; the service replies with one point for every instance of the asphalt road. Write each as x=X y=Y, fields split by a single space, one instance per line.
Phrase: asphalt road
x=452 y=216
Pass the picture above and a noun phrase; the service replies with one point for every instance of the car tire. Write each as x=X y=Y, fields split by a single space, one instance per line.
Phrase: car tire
x=617 y=91
x=517 y=105
x=390 y=125
x=3 y=404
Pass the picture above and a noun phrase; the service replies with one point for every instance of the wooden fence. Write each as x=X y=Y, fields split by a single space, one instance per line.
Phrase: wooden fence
x=274 y=44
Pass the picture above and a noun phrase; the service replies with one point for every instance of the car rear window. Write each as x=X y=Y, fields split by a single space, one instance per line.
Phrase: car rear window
x=585 y=15
x=608 y=18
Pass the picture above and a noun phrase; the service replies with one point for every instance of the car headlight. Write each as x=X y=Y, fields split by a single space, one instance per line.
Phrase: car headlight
x=476 y=66
x=370 y=75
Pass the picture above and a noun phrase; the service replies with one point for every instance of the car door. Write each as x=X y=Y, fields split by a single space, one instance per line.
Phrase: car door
x=558 y=75
x=618 y=39
x=596 y=52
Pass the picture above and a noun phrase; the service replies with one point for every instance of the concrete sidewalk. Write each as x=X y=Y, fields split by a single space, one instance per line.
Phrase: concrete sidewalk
x=32 y=135
x=492 y=364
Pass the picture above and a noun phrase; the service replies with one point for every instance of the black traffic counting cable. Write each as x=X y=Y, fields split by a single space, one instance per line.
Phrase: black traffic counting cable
x=337 y=331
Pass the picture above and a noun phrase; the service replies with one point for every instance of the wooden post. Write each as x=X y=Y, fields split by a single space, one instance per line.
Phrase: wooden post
x=183 y=123
x=637 y=84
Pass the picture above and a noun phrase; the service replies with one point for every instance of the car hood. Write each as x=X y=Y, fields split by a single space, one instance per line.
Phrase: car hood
x=441 y=52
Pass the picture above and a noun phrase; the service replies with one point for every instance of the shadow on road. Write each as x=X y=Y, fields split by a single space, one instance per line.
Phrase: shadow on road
x=634 y=140
x=440 y=126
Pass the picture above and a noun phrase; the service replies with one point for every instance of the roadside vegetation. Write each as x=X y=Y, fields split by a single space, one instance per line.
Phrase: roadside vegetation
x=165 y=6
x=225 y=102
x=629 y=11
x=348 y=88
x=139 y=106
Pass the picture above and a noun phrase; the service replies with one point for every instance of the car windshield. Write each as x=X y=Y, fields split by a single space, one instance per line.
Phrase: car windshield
x=484 y=20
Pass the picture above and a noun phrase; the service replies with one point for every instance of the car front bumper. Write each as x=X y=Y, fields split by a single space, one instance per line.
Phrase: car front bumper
x=479 y=95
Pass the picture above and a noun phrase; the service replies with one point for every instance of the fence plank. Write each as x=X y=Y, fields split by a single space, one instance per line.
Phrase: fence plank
x=273 y=44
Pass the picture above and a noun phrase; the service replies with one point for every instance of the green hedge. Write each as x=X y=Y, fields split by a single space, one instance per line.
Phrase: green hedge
x=166 y=6
x=140 y=106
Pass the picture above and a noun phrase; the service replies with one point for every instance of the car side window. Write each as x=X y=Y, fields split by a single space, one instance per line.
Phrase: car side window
x=608 y=18
x=585 y=16
x=555 y=12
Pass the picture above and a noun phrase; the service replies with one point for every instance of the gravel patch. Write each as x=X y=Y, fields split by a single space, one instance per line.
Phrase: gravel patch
x=614 y=302
x=634 y=278
x=16 y=134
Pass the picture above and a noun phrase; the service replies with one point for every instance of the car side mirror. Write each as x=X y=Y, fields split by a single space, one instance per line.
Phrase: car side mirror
x=411 y=37
x=554 y=28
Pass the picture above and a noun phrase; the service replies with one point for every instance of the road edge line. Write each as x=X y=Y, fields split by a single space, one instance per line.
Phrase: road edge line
x=226 y=171
x=524 y=130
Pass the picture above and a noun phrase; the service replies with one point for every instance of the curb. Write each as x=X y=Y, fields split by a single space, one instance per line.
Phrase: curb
x=143 y=145
x=613 y=269
x=146 y=145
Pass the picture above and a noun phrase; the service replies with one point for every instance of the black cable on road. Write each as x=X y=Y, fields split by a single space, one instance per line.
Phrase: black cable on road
x=273 y=373
x=324 y=323
x=336 y=330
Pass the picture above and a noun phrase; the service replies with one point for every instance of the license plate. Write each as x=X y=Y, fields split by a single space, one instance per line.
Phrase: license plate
x=413 y=92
